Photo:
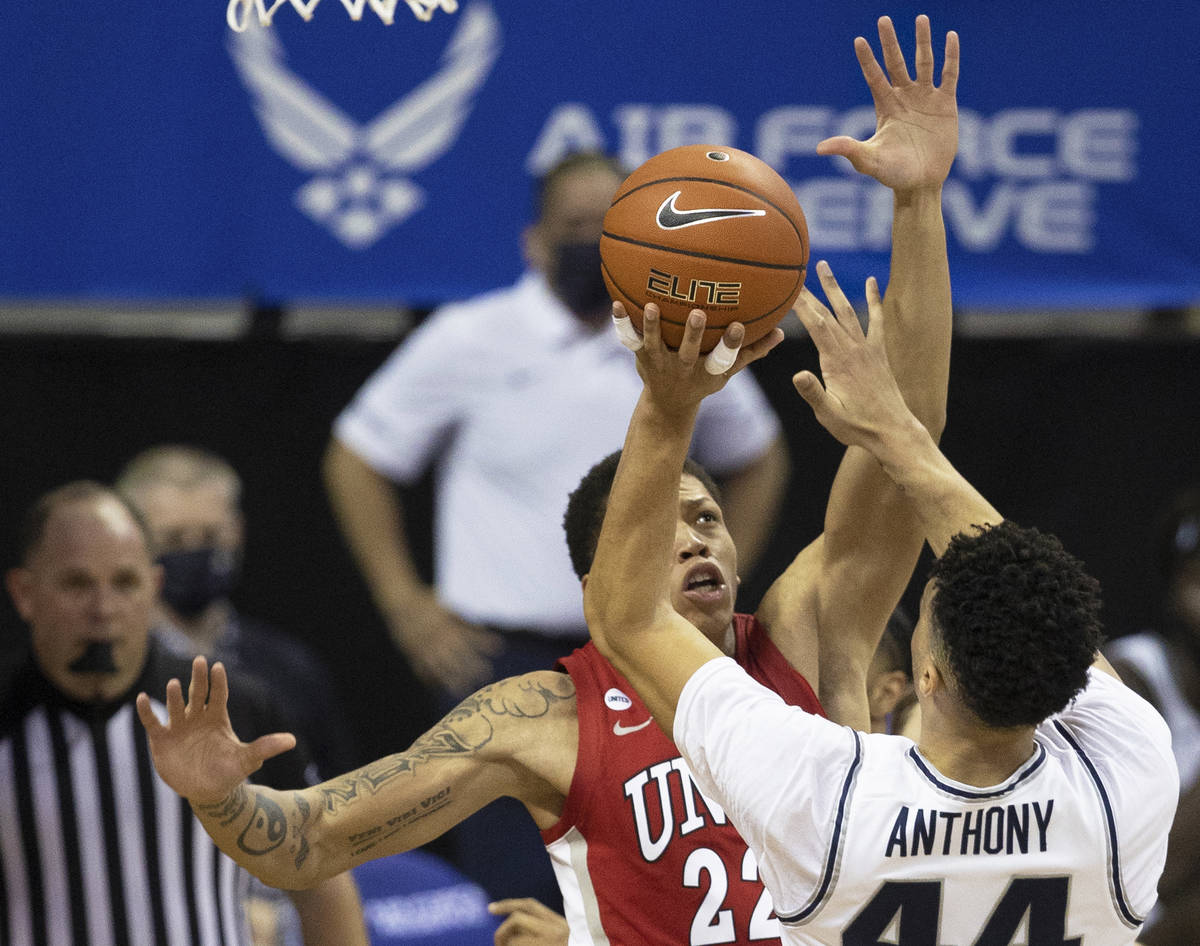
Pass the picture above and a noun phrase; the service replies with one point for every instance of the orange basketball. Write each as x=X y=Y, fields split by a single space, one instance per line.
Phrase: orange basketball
x=705 y=227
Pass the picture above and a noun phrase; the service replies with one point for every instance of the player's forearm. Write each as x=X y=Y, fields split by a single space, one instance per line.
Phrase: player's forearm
x=918 y=305
x=629 y=577
x=371 y=518
x=941 y=497
x=270 y=833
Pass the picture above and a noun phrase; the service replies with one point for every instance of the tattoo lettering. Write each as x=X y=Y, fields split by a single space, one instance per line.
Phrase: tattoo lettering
x=267 y=828
x=366 y=840
x=465 y=730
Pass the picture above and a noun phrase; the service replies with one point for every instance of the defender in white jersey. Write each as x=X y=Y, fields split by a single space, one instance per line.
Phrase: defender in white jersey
x=1035 y=805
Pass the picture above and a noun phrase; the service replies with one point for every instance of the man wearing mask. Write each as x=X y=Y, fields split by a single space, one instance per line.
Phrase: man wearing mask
x=510 y=398
x=190 y=500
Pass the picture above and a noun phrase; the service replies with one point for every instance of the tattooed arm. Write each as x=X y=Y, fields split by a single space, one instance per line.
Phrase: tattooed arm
x=517 y=737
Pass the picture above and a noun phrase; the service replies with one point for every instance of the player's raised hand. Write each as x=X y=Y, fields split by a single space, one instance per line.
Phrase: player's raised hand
x=196 y=751
x=680 y=379
x=916 y=122
x=860 y=401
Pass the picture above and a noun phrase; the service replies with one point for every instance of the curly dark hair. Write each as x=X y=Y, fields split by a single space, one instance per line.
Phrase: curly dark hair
x=1016 y=618
x=588 y=503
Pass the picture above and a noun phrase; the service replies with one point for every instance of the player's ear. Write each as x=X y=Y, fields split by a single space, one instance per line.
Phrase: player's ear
x=927 y=678
x=583 y=583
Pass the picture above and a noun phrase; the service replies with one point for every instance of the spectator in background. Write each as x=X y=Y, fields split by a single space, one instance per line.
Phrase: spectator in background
x=1164 y=667
x=95 y=848
x=511 y=397
x=190 y=500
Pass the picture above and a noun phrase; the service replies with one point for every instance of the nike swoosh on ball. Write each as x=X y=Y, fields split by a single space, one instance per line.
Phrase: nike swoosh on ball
x=670 y=217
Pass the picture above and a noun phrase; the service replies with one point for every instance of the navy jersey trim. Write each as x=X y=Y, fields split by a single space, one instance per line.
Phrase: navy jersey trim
x=957 y=791
x=835 y=843
x=1116 y=888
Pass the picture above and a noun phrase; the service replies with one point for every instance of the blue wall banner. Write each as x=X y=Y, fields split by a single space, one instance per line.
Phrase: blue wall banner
x=151 y=152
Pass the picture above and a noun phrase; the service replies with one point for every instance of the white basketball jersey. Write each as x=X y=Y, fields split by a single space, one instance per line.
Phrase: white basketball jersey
x=861 y=842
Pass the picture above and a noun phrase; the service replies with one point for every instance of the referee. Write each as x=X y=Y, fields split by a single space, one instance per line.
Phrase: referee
x=95 y=849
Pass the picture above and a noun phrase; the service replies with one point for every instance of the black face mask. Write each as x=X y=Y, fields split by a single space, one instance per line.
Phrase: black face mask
x=577 y=280
x=195 y=578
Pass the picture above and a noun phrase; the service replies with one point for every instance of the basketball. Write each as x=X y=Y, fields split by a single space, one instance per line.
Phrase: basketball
x=705 y=227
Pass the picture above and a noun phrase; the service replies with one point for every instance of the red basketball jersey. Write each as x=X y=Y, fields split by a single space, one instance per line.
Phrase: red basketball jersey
x=641 y=856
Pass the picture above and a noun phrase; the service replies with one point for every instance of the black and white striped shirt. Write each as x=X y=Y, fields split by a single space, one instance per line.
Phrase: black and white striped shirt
x=95 y=849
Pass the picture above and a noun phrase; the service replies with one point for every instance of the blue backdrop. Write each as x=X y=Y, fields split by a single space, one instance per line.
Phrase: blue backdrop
x=150 y=152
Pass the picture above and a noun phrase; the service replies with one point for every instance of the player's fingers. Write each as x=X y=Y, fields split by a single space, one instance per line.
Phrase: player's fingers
x=874 y=307
x=510 y=905
x=626 y=333
x=838 y=302
x=843 y=145
x=893 y=57
x=198 y=686
x=807 y=303
x=820 y=324
x=693 y=332
x=923 y=58
x=218 y=690
x=809 y=388
x=146 y=715
x=725 y=353
x=950 y=64
x=269 y=746
x=175 y=707
x=877 y=81
x=651 y=327
x=876 y=333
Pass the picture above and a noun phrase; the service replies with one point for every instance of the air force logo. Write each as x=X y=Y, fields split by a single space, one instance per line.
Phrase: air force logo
x=360 y=189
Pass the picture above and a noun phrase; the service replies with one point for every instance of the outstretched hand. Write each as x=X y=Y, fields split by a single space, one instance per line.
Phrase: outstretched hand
x=916 y=122
x=860 y=400
x=196 y=751
x=678 y=380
